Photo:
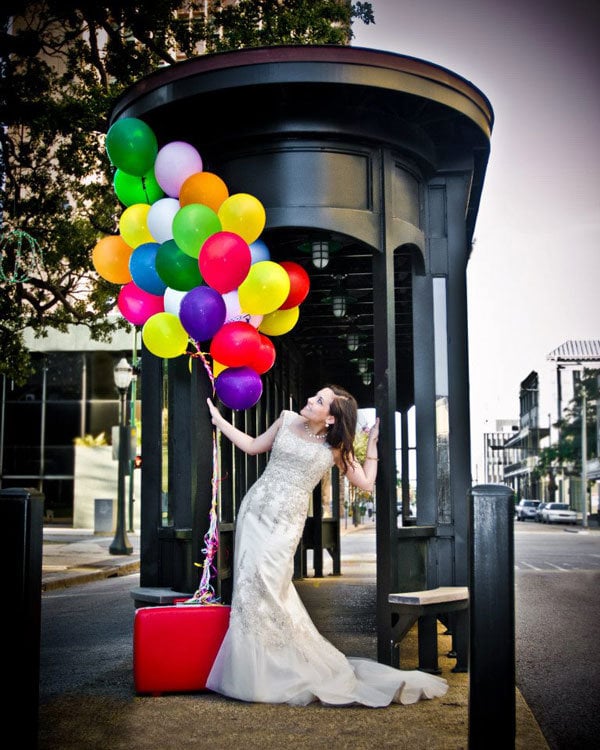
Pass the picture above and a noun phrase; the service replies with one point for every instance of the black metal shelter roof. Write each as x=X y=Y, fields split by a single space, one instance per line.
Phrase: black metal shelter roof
x=232 y=101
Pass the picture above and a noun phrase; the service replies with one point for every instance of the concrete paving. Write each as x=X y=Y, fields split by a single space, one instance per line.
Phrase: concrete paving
x=341 y=607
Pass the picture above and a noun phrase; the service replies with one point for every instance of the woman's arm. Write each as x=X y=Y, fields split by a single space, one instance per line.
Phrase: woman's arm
x=251 y=445
x=364 y=476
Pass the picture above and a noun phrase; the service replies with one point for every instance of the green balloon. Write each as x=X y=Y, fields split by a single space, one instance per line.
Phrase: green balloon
x=176 y=269
x=131 y=189
x=131 y=146
x=192 y=226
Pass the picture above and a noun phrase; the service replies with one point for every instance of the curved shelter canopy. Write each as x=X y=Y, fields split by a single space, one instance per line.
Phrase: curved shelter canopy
x=338 y=143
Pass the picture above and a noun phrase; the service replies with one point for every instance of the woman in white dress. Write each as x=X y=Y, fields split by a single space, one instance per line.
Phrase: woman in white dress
x=272 y=652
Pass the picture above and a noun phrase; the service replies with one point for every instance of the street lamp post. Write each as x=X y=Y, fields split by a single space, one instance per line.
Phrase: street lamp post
x=123 y=373
x=584 y=518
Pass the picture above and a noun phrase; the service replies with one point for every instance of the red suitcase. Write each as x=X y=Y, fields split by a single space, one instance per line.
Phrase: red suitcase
x=174 y=647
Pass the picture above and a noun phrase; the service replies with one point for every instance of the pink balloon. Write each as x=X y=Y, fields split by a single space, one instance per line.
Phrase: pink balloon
x=224 y=261
x=175 y=162
x=136 y=305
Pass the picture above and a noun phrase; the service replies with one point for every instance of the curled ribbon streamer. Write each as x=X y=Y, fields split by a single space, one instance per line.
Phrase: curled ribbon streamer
x=205 y=593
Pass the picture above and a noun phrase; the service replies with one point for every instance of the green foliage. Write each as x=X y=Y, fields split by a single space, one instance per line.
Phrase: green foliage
x=267 y=23
x=360 y=452
x=90 y=441
x=63 y=65
x=566 y=454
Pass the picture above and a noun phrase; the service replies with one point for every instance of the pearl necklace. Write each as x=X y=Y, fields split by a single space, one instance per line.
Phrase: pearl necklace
x=312 y=434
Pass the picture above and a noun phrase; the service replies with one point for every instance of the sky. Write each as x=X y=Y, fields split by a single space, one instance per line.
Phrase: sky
x=534 y=274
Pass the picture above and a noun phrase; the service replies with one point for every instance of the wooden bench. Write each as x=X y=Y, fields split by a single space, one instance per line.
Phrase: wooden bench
x=425 y=607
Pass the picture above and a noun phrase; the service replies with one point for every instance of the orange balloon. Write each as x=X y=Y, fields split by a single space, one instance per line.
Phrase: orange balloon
x=203 y=187
x=110 y=257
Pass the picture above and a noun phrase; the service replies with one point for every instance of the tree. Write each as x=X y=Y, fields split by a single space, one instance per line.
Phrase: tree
x=565 y=455
x=62 y=66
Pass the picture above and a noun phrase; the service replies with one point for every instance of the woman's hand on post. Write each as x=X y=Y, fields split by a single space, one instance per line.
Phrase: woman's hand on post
x=374 y=432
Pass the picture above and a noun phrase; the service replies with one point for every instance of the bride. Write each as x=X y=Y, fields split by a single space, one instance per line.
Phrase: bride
x=272 y=652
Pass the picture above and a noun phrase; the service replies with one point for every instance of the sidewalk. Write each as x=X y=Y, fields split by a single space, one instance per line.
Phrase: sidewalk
x=74 y=556
x=341 y=608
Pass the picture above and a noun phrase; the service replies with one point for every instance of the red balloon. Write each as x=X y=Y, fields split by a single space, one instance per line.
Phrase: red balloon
x=299 y=284
x=235 y=344
x=264 y=357
x=225 y=259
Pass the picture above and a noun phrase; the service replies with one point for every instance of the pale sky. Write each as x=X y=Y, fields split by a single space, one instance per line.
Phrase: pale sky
x=534 y=275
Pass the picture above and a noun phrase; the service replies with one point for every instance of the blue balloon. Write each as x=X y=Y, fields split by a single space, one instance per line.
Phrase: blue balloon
x=202 y=312
x=142 y=266
x=259 y=251
x=238 y=387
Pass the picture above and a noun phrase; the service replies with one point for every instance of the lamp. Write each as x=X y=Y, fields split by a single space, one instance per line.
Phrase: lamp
x=339 y=303
x=352 y=341
x=367 y=377
x=123 y=374
x=339 y=297
x=320 y=251
x=363 y=364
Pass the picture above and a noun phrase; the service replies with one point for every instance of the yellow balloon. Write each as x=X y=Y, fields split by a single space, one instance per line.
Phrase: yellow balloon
x=264 y=289
x=244 y=215
x=280 y=321
x=218 y=368
x=133 y=225
x=164 y=336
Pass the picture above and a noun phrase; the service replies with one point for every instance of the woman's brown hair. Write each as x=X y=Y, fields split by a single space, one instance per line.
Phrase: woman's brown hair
x=342 y=432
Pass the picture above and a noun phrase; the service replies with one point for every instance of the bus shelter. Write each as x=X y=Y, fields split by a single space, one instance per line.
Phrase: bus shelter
x=370 y=166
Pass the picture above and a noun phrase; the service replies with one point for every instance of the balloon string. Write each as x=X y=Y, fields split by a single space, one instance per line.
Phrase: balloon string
x=206 y=593
x=199 y=354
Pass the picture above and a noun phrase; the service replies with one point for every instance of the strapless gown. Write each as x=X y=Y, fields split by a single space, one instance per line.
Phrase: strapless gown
x=272 y=651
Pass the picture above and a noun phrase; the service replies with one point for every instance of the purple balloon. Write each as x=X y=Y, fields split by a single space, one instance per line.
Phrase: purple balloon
x=238 y=387
x=202 y=312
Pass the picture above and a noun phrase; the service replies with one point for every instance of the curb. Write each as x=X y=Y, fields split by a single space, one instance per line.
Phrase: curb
x=51 y=581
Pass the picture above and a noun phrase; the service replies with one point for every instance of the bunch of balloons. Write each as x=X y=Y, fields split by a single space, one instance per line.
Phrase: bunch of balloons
x=191 y=264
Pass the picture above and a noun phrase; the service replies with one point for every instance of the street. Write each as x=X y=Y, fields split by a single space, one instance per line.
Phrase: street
x=557 y=576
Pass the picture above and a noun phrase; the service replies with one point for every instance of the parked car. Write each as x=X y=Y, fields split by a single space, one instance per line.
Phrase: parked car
x=538 y=512
x=558 y=513
x=526 y=509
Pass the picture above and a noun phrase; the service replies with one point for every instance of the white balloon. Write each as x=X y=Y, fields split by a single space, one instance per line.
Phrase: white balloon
x=172 y=300
x=233 y=311
x=174 y=163
x=160 y=218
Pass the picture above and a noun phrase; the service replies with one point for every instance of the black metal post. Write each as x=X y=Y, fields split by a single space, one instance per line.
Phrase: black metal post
x=121 y=545
x=21 y=561
x=492 y=617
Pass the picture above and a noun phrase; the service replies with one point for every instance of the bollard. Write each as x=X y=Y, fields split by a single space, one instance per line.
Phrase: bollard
x=22 y=519
x=492 y=617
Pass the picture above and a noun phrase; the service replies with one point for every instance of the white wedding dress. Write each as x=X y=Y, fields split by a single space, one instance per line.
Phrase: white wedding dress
x=272 y=652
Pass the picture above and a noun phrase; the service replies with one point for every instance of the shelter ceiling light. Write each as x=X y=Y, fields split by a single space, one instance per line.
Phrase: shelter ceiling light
x=339 y=297
x=353 y=341
x=320 y=251
x=363 y=363
x=339 y=302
